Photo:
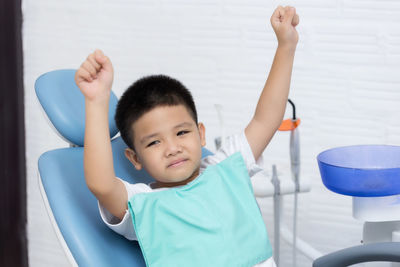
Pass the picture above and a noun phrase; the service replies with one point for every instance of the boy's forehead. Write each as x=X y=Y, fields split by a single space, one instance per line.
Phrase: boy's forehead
x=160 y=119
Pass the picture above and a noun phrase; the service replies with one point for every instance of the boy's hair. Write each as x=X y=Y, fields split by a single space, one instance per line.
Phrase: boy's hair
x=145 y=94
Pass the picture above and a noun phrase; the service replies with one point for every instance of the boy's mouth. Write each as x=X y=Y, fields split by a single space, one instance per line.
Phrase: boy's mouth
x=176 y=163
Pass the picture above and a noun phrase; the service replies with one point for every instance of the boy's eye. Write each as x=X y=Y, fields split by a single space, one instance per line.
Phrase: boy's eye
x=182 y=132
x=153 y=143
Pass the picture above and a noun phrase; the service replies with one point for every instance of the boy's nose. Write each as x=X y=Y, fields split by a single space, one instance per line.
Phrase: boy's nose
x=172 y=148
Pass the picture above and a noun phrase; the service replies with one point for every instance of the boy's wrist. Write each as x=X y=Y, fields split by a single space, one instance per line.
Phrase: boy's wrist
x=289 y=47
x=99 y=101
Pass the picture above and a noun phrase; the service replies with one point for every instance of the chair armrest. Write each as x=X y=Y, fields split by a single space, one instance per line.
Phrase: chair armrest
x=387 y=251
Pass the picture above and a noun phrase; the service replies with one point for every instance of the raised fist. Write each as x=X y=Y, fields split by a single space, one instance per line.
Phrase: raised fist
x=95 y=76
x=283 y=21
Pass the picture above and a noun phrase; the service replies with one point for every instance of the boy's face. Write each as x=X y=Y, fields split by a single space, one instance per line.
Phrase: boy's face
x=168 y=145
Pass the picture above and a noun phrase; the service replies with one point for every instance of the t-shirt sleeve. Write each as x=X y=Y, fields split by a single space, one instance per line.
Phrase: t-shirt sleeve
x=235 y=143
x=123 y=227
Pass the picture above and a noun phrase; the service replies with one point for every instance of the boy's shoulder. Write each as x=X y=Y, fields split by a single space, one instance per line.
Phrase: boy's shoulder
x=231 y=145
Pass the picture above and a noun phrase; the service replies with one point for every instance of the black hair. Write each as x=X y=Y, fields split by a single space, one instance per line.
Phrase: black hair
x=146 y=94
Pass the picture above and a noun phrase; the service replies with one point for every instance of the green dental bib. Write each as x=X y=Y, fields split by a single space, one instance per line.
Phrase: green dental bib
x=212 y=221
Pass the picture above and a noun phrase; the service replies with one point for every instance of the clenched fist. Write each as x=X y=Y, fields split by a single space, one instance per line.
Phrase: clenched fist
x=284 y=21
x=95 y=76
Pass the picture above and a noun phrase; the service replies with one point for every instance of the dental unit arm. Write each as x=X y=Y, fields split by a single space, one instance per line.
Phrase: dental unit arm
x=295 y=148
x=295 y=168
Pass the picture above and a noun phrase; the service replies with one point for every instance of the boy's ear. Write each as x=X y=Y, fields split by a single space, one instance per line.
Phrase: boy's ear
x=133 y=158
x=202 y=132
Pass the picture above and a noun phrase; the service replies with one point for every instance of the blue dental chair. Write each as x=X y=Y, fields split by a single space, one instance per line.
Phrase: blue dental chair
x=72 y=208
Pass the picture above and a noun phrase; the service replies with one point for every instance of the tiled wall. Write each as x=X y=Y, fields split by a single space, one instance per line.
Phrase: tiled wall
x=346 y=84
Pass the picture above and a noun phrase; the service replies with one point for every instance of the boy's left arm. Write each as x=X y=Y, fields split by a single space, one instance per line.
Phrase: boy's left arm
x=272 y=102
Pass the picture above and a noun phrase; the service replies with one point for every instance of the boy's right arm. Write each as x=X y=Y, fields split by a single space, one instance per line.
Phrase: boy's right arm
x=94 y=78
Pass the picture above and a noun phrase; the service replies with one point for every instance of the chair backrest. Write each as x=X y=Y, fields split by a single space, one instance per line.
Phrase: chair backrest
x=64 y=105
x=71 y=206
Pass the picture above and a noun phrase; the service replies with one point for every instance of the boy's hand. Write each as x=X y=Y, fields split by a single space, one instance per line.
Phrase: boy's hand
x=283 y=21
x=95 y=76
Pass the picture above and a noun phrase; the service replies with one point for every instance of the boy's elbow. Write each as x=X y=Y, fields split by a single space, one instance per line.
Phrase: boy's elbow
x=99 y=188
x=267 y=125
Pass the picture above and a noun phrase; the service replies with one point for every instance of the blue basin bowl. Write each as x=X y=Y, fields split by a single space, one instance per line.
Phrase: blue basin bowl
x=363 y=170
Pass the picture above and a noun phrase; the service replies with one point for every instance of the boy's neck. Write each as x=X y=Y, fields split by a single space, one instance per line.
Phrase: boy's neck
x=158 y=184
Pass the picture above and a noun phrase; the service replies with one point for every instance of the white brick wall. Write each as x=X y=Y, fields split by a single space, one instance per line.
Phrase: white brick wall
x=345 y=83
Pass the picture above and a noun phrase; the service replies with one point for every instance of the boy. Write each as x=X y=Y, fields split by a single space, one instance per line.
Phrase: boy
x=157 y=120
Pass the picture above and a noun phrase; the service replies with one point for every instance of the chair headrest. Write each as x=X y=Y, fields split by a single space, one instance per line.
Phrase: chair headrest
x=64 y=105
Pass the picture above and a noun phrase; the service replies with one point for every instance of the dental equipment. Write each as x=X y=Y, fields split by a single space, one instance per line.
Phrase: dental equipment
x=291 y=125
x=370 y=174
x=277 y=215
x=219 y=141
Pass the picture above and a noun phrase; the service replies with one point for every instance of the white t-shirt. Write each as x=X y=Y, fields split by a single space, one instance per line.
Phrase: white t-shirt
x=231 y=145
